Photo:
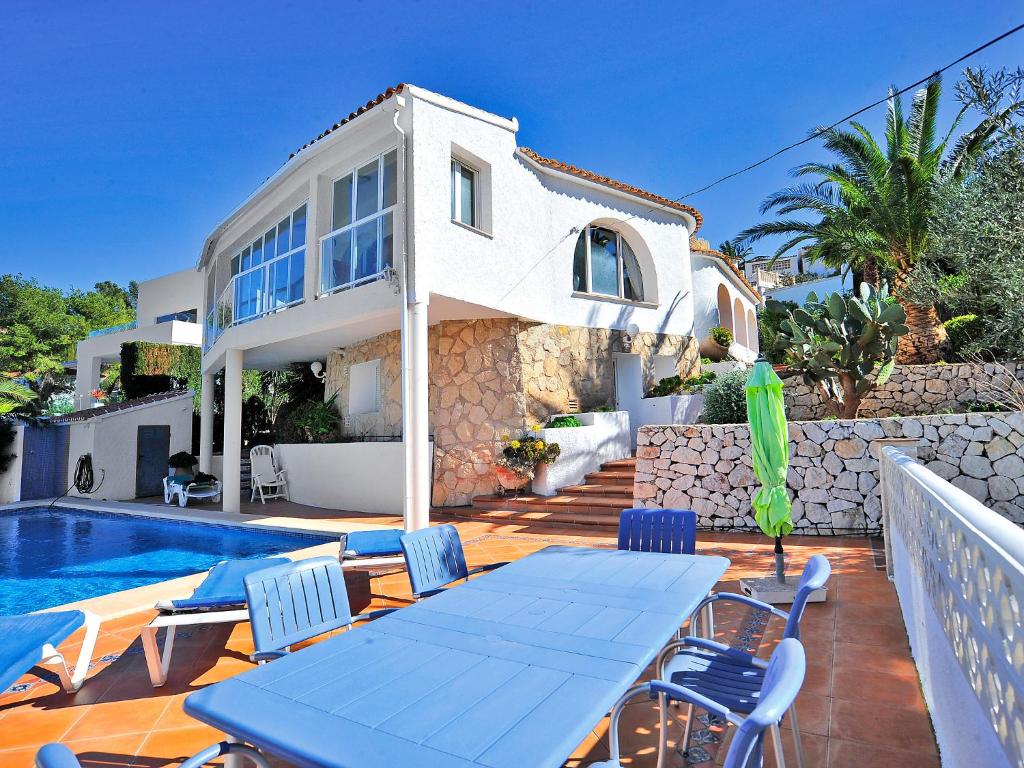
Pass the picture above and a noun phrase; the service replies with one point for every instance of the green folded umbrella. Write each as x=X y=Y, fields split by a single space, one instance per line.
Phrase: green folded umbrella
x=769 y=442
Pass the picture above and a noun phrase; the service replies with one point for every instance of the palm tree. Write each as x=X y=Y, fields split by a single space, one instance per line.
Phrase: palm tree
x=737 y=251
x=874 y=205
x=13 y=395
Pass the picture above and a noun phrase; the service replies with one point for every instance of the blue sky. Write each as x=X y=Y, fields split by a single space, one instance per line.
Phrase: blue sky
x=128 y=130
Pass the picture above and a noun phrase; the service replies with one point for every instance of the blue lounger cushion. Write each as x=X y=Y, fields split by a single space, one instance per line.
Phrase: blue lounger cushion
x=22 y=639
x=223 y=586
x=372 y=543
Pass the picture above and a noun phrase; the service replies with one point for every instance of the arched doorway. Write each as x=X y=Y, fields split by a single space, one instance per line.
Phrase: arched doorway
x=752 y=337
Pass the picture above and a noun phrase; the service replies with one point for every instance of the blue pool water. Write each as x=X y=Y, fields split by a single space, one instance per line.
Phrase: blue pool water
x=58 y=556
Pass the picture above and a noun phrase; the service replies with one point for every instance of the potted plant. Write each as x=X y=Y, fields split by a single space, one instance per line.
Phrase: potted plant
x=517 y=464
x=716 y=345
x=182 y=464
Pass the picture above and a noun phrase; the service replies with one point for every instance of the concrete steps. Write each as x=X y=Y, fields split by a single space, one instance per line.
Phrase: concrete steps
x=597 y=501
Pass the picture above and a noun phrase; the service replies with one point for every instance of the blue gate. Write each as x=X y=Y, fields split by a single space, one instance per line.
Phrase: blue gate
x=44 y=461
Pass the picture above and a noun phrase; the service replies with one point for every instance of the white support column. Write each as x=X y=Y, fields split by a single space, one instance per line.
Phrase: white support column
x=87 y=379
x=206 y=424
x=419 y=421
x=231 y=482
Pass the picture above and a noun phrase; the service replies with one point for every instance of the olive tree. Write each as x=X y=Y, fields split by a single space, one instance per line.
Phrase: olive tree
x=838 y=342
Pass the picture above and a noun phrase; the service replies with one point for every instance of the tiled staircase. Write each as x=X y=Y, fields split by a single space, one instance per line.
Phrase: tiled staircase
x=596 y=502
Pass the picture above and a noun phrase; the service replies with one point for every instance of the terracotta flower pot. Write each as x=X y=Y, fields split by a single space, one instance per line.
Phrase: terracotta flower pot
x=712 y=349
x=509 y=479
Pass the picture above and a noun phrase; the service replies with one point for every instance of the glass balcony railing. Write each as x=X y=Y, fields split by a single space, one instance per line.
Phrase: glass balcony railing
x=268 y=287
x=114 y=329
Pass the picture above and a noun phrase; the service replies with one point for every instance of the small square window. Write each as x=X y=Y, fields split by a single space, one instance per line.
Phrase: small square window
x=464 y=193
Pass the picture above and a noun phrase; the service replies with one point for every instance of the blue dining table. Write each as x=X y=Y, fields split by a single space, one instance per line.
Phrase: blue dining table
x=513 y=668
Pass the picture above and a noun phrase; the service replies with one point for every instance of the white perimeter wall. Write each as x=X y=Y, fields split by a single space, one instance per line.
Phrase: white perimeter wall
x=603 y=437
x=112 y=440
x=356 y=477
x=10 y=481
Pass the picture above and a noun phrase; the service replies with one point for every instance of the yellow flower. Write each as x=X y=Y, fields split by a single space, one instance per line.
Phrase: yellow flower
x=504 y=436
x=535 y=427
x=514 y=444
x=539 y=444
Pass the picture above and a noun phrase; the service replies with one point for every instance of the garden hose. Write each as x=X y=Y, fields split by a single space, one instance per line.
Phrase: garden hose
x=85 y=478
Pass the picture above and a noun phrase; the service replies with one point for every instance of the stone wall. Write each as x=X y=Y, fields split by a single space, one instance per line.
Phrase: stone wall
x=562 y=363
x=911 y=390
x=488 y=377
x=833 y=476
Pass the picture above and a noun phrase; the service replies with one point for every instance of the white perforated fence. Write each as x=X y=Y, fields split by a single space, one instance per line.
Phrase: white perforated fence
x=958 y=568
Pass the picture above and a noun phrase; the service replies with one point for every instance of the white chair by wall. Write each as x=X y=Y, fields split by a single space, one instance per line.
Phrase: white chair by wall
x=268 y=480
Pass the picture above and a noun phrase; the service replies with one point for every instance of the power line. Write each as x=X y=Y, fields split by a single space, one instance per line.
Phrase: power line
x=819 y=131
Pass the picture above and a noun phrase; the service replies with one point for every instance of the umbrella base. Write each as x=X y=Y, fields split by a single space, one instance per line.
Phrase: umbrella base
x=768 y=590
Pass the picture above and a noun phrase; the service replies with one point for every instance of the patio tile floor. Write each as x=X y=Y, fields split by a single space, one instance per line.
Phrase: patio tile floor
x=861 y=704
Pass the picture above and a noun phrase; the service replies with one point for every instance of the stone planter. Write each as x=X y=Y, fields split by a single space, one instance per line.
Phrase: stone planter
x=509 y=479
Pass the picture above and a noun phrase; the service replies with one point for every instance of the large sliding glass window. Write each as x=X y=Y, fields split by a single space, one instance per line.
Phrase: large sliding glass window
x=269 y=273
x=360 y=246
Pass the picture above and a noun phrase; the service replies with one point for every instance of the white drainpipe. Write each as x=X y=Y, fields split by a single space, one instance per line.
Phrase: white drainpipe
x=414 y=361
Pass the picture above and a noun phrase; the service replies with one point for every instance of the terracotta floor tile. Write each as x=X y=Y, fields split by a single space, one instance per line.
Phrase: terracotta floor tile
x=107 y=751
x=890 y=636
x=119 y=717
x=170 y=748
x=861 y=613
x=864 y=685
x=848 y=754
x=882 y=725
x=18 y=758
x=33 y=727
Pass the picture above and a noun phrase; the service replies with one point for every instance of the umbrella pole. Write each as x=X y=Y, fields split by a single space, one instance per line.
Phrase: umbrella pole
x=780 y=561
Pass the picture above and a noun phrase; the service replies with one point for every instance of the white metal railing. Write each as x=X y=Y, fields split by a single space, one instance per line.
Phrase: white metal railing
x=958 y=568
x=114 y=329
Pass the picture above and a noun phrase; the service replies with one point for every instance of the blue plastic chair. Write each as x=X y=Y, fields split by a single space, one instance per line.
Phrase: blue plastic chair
x=434 y=559
x=735 y=679
x=670 y=531
x=783 y=677
x=58 y=756
x=298 y=601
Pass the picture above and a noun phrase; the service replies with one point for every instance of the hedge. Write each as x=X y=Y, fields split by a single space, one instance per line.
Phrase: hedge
x=148 y=368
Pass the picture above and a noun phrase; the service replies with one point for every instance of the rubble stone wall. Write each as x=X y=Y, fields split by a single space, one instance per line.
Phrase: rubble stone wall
x=833 y=475
x=912 y=390
x=492 y=376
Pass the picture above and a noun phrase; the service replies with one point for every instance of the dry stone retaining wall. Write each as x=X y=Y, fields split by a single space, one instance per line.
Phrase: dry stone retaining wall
x=833 y=476
x=911 y=390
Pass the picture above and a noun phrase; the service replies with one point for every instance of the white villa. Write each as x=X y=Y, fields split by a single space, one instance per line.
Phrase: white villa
x=455 y=286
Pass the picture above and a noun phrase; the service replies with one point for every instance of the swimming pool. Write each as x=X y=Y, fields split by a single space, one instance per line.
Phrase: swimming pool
x=52 y=557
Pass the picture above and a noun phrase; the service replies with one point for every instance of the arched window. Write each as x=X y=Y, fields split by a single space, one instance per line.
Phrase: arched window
x=604 y=263
x=724 y=307
x=740 y=331
x=752 y=337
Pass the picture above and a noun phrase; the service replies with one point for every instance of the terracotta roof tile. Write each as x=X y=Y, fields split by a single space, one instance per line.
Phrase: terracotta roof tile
x=126 y=405
x=597 y=178
x=729 y=262
x=380 y=99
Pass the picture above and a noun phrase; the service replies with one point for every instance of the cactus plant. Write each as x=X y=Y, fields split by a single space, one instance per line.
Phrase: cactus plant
x=838 y=342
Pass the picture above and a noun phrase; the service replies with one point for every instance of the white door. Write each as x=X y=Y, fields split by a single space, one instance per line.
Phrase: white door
x=629 y=390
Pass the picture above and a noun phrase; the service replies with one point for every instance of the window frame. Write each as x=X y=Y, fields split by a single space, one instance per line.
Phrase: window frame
x=373 y=365
x=264 y=264
x=457 y=167
x=378 y=216
x=619 y=266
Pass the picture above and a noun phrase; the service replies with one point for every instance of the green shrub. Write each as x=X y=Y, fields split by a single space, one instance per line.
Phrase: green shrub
x=182 y=460
x=725 y=399
x=674 y=385
x=560 y=422
x=964 y=332
x=721 y=335
x=316 y=421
